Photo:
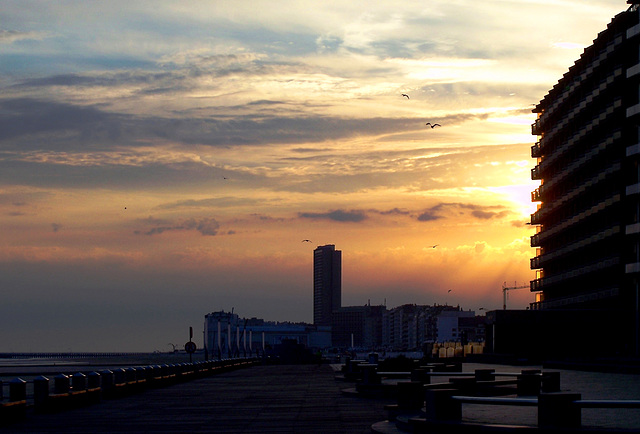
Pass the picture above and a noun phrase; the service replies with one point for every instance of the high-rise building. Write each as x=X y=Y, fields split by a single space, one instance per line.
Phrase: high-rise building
x=327 y=283
x=588 y=162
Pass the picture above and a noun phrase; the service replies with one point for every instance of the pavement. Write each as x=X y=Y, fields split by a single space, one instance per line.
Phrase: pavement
x=261 y=399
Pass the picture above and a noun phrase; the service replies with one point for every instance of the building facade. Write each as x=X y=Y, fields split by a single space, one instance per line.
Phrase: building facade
x=226 y=334
x=409 y=327
x=327 y=283
x=357 y=327
x=588 y=153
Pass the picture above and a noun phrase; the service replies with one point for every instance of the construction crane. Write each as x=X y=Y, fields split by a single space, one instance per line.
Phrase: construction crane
x=506 y=288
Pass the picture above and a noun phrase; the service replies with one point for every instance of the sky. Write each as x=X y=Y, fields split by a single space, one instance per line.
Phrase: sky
x=160 y=160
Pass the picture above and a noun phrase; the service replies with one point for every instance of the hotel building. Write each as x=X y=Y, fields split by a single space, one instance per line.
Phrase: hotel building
x=587 y=223
x=327 y=283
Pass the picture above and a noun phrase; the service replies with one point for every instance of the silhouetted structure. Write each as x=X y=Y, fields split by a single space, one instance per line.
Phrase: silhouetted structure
x=327 y=283
x=588 y=219
x=357 y=326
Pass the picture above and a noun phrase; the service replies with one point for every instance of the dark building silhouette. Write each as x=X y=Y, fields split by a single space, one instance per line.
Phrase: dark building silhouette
x=588 y=218
x=327 y=283
x=357 y=326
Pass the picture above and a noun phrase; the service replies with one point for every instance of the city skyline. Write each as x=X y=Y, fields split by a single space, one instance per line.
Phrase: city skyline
x=161 y=160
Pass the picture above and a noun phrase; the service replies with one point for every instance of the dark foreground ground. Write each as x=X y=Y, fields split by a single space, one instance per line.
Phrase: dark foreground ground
x=260 y=399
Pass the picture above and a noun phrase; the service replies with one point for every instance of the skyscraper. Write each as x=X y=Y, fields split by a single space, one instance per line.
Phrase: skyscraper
x=588 y=162
x=327 y=283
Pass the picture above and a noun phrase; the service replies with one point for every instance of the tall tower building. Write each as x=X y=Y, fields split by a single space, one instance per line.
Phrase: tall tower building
x=588 y=161
x=327 y=283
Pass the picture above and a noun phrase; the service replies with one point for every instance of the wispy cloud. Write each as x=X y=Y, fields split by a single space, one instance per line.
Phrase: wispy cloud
x=445 y=210
x=206 y=226
x=339 y=215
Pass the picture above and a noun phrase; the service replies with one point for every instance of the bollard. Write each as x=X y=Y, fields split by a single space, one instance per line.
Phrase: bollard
x=440 y=406
x=370 y=374
x=529 y=382
x=61 y=384
x=421 y=375
x=78 y=382
x=93 y=380
x=107 y=381
x=130 y=375
x=558 y=410
x=17 y=390
x=119 y=377
x=40 y=393
x=373 y=358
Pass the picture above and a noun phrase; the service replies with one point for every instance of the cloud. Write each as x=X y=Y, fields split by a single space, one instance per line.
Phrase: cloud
x=394 y=211
x=214 y=202
x=353 y=216
x=206 y=226
x=445 y=210
x=10 y=36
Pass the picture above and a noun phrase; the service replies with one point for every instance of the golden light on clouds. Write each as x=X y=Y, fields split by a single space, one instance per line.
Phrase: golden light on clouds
x=168 y=165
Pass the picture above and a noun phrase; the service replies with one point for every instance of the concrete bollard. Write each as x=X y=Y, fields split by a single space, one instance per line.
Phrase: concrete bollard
x=558 y=410
x=130 y=375
x=107 y=380
x=370 y=374
x=61 y=384
x=78 y=382
x=17 y=390
x=440 y=406
x=119 y=376
x=421 y=375
x=93 y=380
x=40 y=393
x=373 y=358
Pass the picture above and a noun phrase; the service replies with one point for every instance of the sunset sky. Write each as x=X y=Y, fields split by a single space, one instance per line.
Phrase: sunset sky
x=160 y=160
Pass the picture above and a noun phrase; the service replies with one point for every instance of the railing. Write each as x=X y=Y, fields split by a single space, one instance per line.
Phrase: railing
x=423 y=406
x=80 y=389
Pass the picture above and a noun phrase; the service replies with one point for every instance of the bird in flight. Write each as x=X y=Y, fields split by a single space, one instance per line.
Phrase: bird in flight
x=306 y=241
x=433 y=125
x=448 y=291
x=404 y=94
x=434 y=246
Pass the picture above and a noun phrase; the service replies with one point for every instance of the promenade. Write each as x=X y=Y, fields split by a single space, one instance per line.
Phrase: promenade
x=259 y=399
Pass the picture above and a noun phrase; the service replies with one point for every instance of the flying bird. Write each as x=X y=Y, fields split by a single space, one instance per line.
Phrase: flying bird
x=434 y=246
x=306 y=241
x=448 y=291
x=404 y=94
x=433 y=125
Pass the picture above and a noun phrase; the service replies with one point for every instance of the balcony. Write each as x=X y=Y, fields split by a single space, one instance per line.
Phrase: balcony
x=535 y=240
x=535 y=150
x=536 y=173
x=536 y=285
x=535 y=195
x=535 y=263
x=535 y=128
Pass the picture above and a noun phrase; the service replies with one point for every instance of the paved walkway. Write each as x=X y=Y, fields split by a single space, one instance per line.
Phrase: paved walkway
x=260 y=399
